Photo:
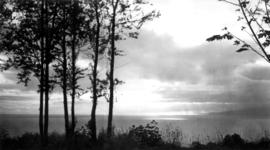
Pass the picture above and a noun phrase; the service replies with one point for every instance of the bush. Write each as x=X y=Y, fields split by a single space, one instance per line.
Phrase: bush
x=146 y=135
x=3 y=134
x=233 y=140
x=196 y=145
x=28 y=140
x=173 y=136
x=264 y=142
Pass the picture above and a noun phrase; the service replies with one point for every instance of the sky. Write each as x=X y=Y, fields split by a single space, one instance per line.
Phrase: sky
x=171 y=70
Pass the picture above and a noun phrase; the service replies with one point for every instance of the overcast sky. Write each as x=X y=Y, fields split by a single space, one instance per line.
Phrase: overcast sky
x=171 y=69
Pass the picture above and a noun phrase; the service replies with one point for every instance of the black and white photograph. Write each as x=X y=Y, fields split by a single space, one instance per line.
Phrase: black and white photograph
x=134 y=74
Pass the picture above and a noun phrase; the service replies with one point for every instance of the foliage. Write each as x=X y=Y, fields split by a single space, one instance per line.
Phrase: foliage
x=146 y=135
x=255 y=18
x=29 y=141
x=233 y=140
x=173 y=136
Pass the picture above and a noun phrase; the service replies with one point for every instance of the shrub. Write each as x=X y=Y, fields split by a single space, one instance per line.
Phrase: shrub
x=146 y=135
x=264 y=142
x=173 y=136
x=28 y=140
x=196 y=145
x=3 y=134
x=233 y=140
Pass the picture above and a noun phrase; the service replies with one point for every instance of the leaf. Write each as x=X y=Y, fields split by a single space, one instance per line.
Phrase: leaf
x=236 y=42
x=245 y=46
x=226 y=36
x=213 y=38
x=242 y=49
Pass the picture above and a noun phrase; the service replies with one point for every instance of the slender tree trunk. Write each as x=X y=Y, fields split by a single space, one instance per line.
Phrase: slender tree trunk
x=73 y=49
x=73 y=123
x=41 y=74
x=41 y=110
x=94 y=80
x=47 y=86
x=65 y=82
x=111 y=77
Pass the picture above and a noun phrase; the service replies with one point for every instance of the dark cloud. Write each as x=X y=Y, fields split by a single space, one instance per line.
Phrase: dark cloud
x=228 y=77
x=259 y=73
x=16 y=98
x=153 y=56
x=261 y=111
x=219 y=78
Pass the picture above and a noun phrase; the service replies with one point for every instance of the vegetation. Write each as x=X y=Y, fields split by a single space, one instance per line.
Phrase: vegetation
x=138 y=137
x=42 y=39
x=255 y=19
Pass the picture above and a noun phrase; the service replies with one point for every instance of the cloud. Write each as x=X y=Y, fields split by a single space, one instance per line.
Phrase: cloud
x=212 y=74
x=16 y=98
x=261 y=111
x=153 y=56
x=256 y=72
x=203 y=79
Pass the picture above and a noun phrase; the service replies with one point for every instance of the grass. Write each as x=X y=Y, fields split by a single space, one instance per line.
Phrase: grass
x=146 y=137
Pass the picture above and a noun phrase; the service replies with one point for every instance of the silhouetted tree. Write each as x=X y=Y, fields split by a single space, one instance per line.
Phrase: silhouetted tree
x=41 y=97
x=78 y=34
x=51 y=39
x=96 y=14
x=24 y=49
x=29 y=49
x=61 y=67
x=70 y=21
x=256 y=23
x=126 y=18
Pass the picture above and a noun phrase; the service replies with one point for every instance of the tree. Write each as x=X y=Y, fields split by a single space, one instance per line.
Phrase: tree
x=78 y=36
x=41 y=127
x=256 y=23
x=96 y=24
x=51 y=40
x=30 y=50
x=25 y=51
x=70 y=25
x=126 y=18
x=61 y=67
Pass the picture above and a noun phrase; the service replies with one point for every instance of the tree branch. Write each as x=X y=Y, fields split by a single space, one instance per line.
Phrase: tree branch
x=235 y=4
x=252 y=48
x=253 y=32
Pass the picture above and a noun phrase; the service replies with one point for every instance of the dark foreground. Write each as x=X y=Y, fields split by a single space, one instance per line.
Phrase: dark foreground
x=137 y=138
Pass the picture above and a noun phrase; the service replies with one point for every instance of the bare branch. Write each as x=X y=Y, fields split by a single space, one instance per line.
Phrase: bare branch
x=235 y=4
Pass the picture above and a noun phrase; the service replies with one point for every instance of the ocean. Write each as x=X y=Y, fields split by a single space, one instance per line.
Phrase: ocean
x=193 y=128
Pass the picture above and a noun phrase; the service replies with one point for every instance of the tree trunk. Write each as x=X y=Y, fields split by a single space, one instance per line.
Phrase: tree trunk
x=111 y=77
x=41 y=74
x=73 y=122
x=47 y=88
x=94 y=82
x=65 y=82
x=73 y=48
